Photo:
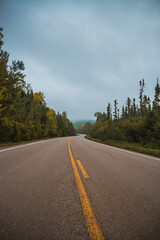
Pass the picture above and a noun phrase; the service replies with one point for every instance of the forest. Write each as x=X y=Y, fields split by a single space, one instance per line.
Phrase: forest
x=135 y=123
x=84 y=128
x=24 y=114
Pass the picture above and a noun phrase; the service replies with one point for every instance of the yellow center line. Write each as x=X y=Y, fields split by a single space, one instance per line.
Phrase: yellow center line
x=85 y=174
x=94 y=229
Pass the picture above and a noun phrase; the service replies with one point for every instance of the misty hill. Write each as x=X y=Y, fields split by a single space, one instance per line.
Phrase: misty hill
x=82 y=122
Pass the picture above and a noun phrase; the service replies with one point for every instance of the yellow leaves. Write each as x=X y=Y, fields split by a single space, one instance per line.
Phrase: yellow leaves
x=39 y=97
x=51 y=124
x=24 y=114
x=50 y=114
x=2 y=108
x=12 y=107
x=31 y=124
x=3 y=94
x=7 y=122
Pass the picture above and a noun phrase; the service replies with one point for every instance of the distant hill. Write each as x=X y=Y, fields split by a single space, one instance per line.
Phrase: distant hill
x=82 y=122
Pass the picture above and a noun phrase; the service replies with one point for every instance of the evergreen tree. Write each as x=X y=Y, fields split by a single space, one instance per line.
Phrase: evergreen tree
x=142 y=85
x=128 y=105
x=24 y=114
x=123 y=112
x=109 y=112
x=118 y=113
x=156 y=102
x=115 y=113
x=102 y=117
x=133 y=108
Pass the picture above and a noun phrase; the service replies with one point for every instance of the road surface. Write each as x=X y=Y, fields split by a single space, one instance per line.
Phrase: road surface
x=73 y=188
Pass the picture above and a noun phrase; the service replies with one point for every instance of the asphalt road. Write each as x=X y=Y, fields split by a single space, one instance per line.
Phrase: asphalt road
x=40 y=198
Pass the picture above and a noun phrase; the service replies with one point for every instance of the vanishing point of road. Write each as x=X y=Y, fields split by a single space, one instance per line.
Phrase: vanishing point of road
x=73 y=188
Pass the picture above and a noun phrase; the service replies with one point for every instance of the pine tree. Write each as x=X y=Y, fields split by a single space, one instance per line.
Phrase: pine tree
x=149 y=104
x=133 y=108
x=128 y=104
x=24 y=114
x=109 y=114
x=156 y=102
x=123 y=113
x=142 y=85
x=115 y=113
x=118 y=113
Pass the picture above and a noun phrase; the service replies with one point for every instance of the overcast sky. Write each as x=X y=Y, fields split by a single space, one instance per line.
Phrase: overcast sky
x=84 y=54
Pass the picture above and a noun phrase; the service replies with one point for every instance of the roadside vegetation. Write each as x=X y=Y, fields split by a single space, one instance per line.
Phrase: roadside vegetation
x=136 y=127
x=129 y=146
x=85 y=128
x=24 y=114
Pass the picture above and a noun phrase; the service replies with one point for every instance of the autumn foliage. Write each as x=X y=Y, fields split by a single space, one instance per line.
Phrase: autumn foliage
x=24 y=114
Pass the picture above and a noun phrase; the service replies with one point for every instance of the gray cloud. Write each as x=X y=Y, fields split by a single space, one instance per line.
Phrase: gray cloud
x=84 y=54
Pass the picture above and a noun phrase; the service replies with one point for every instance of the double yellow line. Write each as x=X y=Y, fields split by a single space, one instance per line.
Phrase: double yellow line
x=94 y=229
x=85 y=174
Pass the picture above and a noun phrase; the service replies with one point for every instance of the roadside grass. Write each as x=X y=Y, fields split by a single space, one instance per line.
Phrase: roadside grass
x=17 y=143
x=22 y=142
x=128 y=146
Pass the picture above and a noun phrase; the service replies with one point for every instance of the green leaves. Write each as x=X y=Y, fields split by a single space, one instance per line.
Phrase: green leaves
x=24 y=114
x=137 y=124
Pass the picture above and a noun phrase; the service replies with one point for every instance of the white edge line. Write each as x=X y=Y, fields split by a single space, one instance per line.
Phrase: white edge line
x=129 y=151
x=28 y=144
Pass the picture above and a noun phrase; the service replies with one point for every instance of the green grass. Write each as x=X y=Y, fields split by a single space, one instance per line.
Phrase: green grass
x=21 y=142
x=129 y=146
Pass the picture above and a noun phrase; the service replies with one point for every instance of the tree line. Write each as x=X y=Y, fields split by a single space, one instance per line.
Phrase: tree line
x=24 y=114
x=85 y=128
x=135 y=123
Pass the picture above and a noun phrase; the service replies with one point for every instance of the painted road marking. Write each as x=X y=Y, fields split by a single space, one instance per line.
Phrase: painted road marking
x=85 y=174
x=94 y=229
x=124 y=150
